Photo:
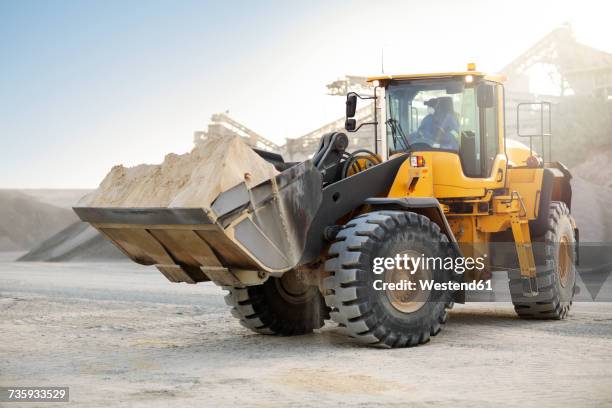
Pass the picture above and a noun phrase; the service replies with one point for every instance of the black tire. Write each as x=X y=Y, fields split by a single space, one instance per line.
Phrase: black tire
x=368 y=314
x=272 y=308
x=556 y=283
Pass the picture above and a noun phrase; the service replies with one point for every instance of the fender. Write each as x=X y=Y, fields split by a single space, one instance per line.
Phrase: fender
x=427 y=206
x=555 y=187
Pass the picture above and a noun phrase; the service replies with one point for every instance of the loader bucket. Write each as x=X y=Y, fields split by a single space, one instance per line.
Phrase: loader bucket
x=244 y=232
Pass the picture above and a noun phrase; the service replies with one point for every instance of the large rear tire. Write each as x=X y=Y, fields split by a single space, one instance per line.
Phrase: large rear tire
x=283 y=306
x=383 y=317
x=555 y=256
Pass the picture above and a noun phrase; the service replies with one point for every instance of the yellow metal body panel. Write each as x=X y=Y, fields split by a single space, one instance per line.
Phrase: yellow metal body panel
x=410 y=181
x=517 y=153
x=526 y=183
x=443 y=177
x=450 y=181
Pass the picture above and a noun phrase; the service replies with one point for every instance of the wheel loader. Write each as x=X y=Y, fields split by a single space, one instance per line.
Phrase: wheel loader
x=442 y=181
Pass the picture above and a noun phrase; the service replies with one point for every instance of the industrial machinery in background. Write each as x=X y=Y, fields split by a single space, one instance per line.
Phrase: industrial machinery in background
x=573 y=69
x=575 y=74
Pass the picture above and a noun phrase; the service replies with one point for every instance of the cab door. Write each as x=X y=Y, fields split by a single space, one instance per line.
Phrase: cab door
x=481 y=162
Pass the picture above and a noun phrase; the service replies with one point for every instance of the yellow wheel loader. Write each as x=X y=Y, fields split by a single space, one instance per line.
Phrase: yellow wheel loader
x=328 y=238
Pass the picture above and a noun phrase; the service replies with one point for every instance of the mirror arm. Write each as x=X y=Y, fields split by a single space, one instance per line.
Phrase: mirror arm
x=360 y=96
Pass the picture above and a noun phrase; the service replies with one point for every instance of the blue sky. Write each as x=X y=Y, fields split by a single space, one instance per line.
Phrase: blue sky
x=85 y=85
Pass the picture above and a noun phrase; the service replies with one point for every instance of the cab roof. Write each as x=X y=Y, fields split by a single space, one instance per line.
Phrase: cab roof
x=495 y=78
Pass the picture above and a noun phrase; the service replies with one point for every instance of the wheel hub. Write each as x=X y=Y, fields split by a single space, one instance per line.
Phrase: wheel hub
x=408 y=300
x=565 y=260
x=292 y=288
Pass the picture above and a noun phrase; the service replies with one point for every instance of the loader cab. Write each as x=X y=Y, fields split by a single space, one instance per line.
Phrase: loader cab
x=456 y=120
x=456 y=114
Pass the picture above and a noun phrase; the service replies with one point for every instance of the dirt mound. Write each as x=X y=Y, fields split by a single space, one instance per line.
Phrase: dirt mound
x=597 y=169
x=591 y=210
x=25 y=222
x=592 y=195
x=78 y=242
x=189 y=180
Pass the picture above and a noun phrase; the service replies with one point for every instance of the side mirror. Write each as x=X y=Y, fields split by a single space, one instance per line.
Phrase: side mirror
x=351 y=105
x=350 y=125
x=485 y=94
x=351 y=108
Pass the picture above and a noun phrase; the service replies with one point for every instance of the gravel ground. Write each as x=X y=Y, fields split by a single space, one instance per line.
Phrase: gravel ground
x=121 y=335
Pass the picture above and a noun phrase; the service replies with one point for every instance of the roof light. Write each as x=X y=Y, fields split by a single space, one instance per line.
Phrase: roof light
x=471 y=66
x=469 y=79
x=376 y=83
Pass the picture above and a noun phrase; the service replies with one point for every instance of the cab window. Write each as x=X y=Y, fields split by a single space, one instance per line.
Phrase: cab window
x=444 y=114
x=491 y=133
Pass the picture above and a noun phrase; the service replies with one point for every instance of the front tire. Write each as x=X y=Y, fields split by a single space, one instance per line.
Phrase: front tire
x=379 y=317
x=282 y=306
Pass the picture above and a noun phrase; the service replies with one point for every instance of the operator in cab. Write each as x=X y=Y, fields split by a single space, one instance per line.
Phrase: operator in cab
x=440 y=128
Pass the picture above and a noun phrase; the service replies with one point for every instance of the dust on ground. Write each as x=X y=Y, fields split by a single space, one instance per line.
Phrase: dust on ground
x=121 y=335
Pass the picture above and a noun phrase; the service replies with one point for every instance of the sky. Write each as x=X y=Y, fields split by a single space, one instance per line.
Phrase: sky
x=86 y=85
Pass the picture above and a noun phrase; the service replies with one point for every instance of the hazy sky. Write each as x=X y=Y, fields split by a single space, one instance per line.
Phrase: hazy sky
x=85 y=85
